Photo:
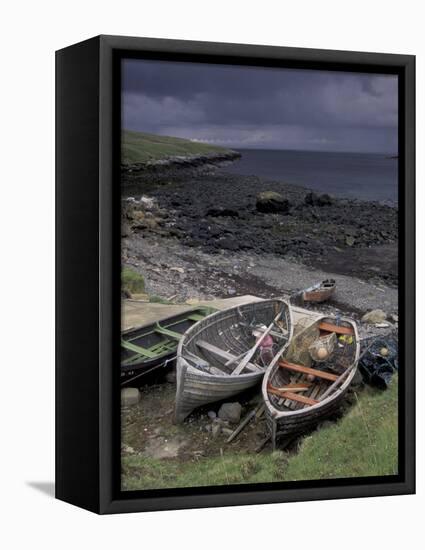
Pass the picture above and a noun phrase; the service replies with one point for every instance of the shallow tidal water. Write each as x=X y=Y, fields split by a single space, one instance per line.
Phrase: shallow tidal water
x=369 y=177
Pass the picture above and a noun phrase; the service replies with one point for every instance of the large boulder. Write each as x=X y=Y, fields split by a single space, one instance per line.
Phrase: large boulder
x=231 y=412
x=272 y=202
x=374 y=316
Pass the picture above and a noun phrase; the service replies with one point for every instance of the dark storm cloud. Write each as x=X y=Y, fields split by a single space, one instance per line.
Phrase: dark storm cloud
x=261 y=107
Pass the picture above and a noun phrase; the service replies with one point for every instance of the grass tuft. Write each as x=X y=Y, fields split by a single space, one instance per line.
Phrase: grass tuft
x=132 y=281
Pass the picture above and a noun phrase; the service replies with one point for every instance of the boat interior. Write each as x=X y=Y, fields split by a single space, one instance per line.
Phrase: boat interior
x=223 y=347
x=154 y=341
x=316 y=363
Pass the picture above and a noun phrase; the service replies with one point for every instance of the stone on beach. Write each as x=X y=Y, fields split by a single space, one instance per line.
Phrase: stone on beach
x=313 y=199
x=231 y=412
x=374 y=316
x=129 y=397
x=272 y=202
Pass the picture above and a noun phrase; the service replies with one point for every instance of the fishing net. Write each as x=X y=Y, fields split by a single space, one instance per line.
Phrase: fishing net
x=307 y=343
x=306 y=334
x=321 y=350
x=379 y=360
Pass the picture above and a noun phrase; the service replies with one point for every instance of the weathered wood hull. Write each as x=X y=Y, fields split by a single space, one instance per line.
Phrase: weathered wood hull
x=151 y=347
x=195 y=390
x=321 y=294
x=228 y=330
x=282 y=421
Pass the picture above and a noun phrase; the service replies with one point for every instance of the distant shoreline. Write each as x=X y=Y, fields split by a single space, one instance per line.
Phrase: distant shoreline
x=181 y=161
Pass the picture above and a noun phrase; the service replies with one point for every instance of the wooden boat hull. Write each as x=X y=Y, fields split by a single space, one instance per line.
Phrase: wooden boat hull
x=281 y=423
x=321 y=294
x=196 y=388
x=152 y=347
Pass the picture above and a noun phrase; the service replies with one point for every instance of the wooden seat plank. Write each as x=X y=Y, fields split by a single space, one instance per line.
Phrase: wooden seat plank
x=306 y=370
x=292 y=396
x=328 y=327
x=222 y=354
x=167 y=332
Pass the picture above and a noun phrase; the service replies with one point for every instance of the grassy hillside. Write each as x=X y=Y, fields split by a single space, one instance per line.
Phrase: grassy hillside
x=141 y=147
x=362 y=443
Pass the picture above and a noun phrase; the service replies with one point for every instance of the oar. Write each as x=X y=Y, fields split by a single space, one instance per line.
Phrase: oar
x=251 y=352
x=337 y=382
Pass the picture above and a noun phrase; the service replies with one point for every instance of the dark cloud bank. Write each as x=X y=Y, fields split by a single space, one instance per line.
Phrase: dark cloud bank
x=251 y=107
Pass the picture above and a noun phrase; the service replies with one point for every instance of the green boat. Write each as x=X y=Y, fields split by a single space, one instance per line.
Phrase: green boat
x=151 y=347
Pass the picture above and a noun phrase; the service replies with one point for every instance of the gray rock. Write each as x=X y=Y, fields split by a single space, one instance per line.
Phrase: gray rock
x=221 y=211
x=394 y=317
x=212 y=415
x=349 y=240
x=270 y=201
x=231 y=412
x=125 y=229
x=226 y=431
x=374 y=316
x=129 y=397
x=313 y=199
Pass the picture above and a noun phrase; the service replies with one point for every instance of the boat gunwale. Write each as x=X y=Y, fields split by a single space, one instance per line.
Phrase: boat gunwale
x=165 y=319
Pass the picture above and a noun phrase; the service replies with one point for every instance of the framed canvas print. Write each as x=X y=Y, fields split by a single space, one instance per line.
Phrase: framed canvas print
x=235 y=274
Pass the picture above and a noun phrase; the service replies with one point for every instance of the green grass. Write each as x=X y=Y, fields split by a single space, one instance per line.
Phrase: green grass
x=132 y=281
x=159 y=300
x=362 y=443
x=140 y=147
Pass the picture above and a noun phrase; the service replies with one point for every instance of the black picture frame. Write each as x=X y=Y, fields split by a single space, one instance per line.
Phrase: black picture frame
x=88 y=273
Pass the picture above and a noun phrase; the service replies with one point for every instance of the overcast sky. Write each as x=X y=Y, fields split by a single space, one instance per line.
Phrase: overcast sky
x=264 y=108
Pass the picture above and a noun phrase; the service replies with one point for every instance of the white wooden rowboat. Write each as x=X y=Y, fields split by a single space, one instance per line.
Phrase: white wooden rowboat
x=218 y=357
x=323 y=384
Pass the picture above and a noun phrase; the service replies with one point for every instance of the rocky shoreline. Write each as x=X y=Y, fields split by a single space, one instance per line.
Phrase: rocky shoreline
x=175 y=166
x=214 y=211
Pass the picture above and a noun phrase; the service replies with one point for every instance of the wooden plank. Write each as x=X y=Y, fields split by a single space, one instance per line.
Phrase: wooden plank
x=196 y=317
x=201 y=364
x=222 y=354
x=291 y=396
x=306 y=370
x=244 y=422
x=294 y=387
x=167 y=332
x=189 y=355
x=328 y=327
x=138 y=349
x=314 y=394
